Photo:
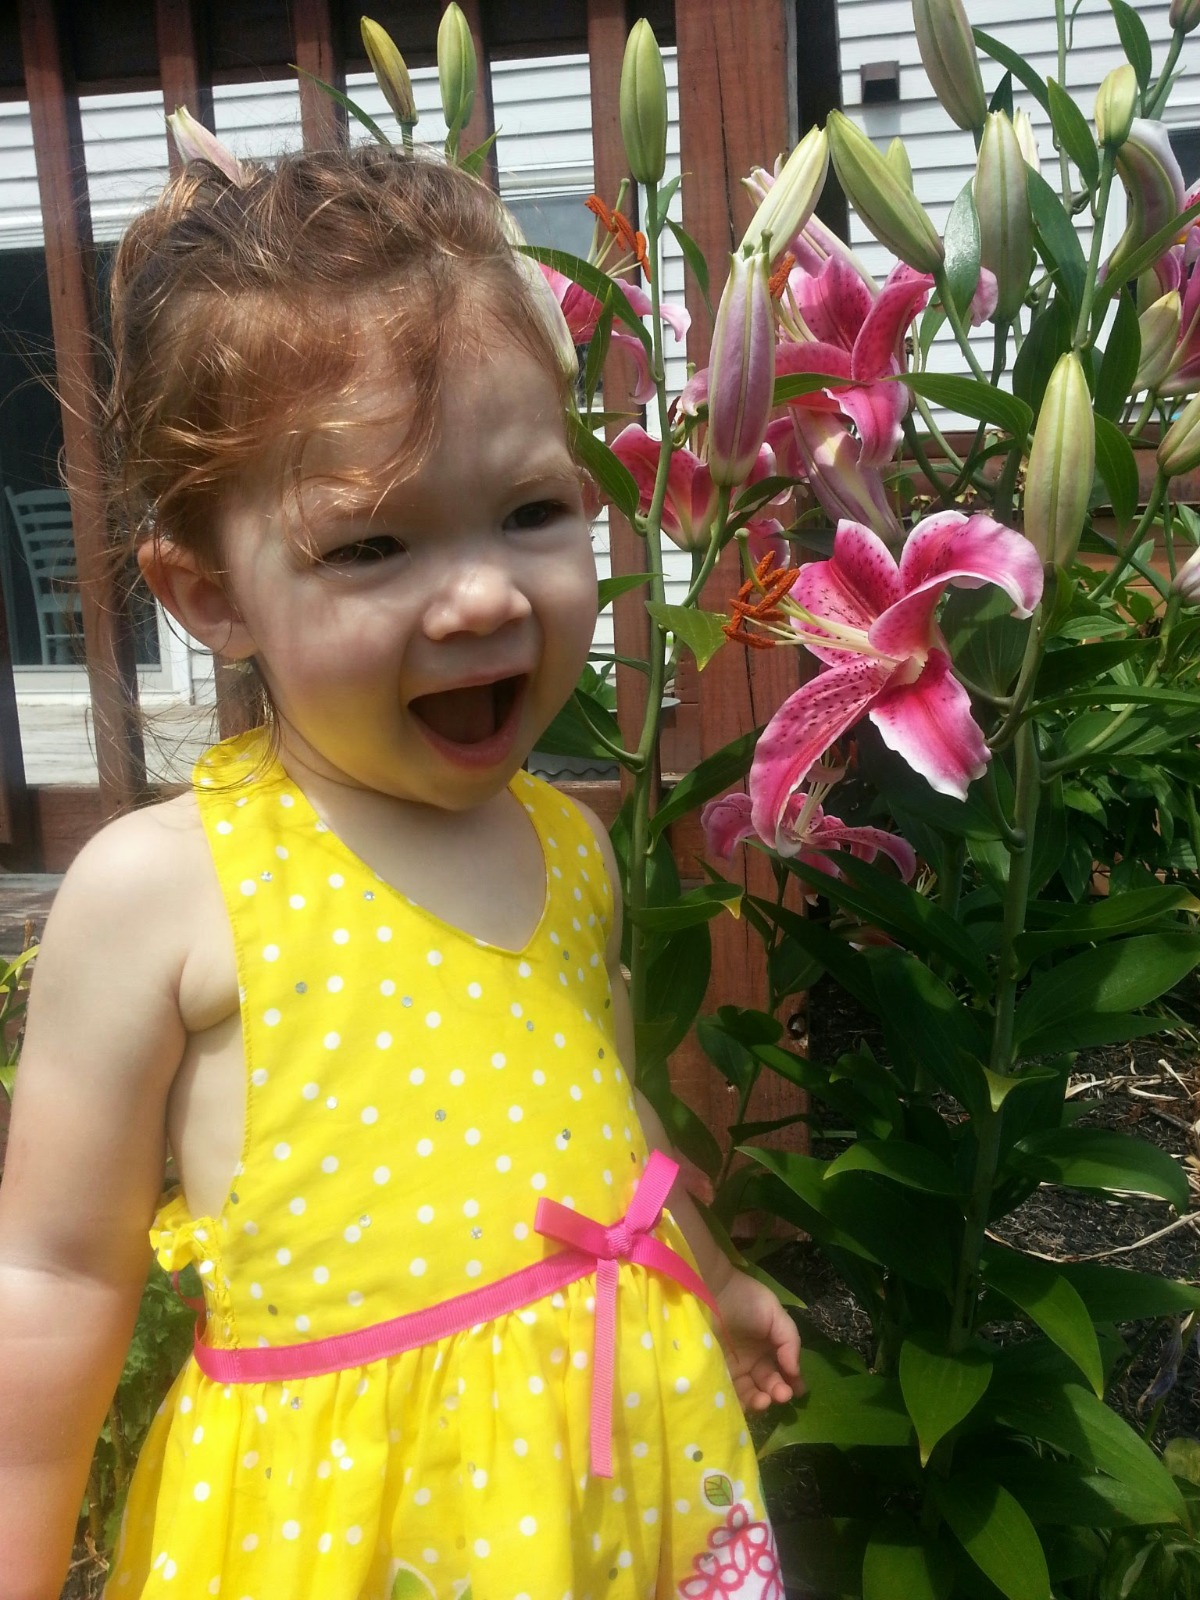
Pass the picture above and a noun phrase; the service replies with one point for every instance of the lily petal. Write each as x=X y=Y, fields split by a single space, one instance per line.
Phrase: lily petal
x=881 y=334
x=832 y=461
x=834 y=302
x=726 y=822
x=677 y=318
x=865 y=843
x=643 y=379
x=877 y=411
x=929 y=724
x=860 y=582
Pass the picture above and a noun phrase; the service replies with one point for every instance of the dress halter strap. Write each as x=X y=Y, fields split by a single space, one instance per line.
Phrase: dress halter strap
x=590 y=1247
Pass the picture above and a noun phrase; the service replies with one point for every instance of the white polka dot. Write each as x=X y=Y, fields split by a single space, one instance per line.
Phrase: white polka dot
x=528 y=1526
x=341 y=936
x=633 y=1400
x=201 y=1491
x=482 y=1548
x=320 y=1274
x=422 y=1497
x=682 y=1385
x=539 y=1077
x=383 y=1040
x=332 y=1040
x=336 y=881
x=515 y=1113
x=270 y=952
x=499 y=1059
x=354 y=1534
x=458 y=1077
x=387 y=987
x=290 y=1529
x=479 y=1479
x=416 y=1266
x=310 y=1091
x=560 y=1041
x=352 y=1234
x=647 y=1341
x=521 y=1230
x=538 y=1180
x=434 y=958
x=520 y=1447
x=298 y=1206
x=536 y=1385
x=641 y=1449
x=324 y=1543
x=625 y=1559
x=250 y=1542
x=503 y=1163
x=248 y=886
x=224 y=827
x=381 y=1174
x=433 y=1020
x=576 y=1092
x=472 y=1136
x=524 y=969
x=355 y=1297
x=424 y=1147
x=416 y=1076
x=287 y=801
x=282 y=1151
x=475 y=990
x=335 y=985
x=258 y=1077
x=272 y=1017
x=256 y=1291
x=329 y=1164
x=474 y=1268
x=283 y=1256
x=383 y=935
x=296 y=901
x=337 y=1447
x=425 y=1214
x=370 y=1115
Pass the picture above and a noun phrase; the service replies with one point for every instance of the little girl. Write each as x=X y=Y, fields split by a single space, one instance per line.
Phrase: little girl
x=364 y=977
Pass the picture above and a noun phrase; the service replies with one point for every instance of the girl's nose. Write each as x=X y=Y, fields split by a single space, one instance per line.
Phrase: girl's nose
x=477 y=598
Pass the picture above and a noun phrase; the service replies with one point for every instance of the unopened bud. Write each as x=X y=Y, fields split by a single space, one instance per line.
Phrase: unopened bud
x=885 y=203
x=947 y=49
x=1159 y=326
x=741 y=370
x=644 y=105
x=1153 y=182
x=1186 y=581
x=194 y=142
x=1116 y=106
x=1005 y=222
x=1184 y=15
x=457 y=72
x=788 y=203
x=1027 y=139
x=897 y=159
x=1062 y=464
x=390 y=70
x=1179 y=451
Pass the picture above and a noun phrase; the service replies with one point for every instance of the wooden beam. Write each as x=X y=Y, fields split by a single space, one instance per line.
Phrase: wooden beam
x=62 y=187
x=322 y=119
x=631 y=627
x=183 y=65
x=15 y=814
x=483 y=113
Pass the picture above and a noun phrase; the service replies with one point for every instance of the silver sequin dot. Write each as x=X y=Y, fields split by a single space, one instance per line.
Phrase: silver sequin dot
x=439 y=1116
x=301 y=988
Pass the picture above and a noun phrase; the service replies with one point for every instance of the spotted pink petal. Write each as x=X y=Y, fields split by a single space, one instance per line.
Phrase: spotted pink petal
x=781 y=439
x=950 y=549
x=834 y=302
x=766 y=533
x=831 y=458
x=643 y=384
x=796 y=355
x=803 y=728
x=881 y=335
x=726 y=822
x=677 y=318
x=858 y=584
x=929 y=724
x=877 y=411
x=581 y=309
x=865 y=843
x=691 y=499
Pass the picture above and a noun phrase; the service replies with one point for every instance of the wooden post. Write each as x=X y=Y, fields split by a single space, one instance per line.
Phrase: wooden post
x=631 y=629
x=483 y=113
x=322 y=119
x=62 y=187
x=16 y=834
x=183 y=66
x=733 y=113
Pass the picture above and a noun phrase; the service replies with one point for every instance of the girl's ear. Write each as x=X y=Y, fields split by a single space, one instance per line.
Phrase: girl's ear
x=195 y=598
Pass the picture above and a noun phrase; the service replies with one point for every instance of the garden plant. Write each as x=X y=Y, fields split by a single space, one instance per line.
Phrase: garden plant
x=978 y=807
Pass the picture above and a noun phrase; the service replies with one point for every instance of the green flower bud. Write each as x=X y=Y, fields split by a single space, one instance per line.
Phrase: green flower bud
x=1116 y=106
x=1159 y=325
x=885 y=203
x=457 y=70
x=389 y=68
x=644 y=105
x=1184 y=15
x=897 y=159
x=947 y=49
x=1027 y=139
x=1062 y=464
x=1005 y=223
x=1179 y=451
x=789 y=201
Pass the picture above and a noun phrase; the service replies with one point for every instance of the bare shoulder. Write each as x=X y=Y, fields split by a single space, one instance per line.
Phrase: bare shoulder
x=603 y=844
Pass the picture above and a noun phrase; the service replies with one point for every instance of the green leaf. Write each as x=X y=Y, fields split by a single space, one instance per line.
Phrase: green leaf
x=986 y=642
x=794 y=385
x=694 y=257
x=698 y=905
x=701 y=631
x=614 y=478
x=665 y=195
x=1113 y=1294
x=573 y=731
x=597 y=283
x=1117 y=466
x=1058 y=1494
x=899 y=1565
x=711 y=777
x=940 y=1389
x=1016 y=64
x=608 y=589
x=897 y=1159
x=1105 y=919
x=1134 y=41
x=845 y=1412
x=1049 y=1300
x=846 y=965
x=1057 y=240
x=1072 y=1420
x=1094 y=1158
x=961 y=242
x=1116 y=977
x=973 y=399
x=997 y=1534
x=1181 y=1457
x=676 y=981
x=1119 y=365
x=928 y=1028
x=355 y=110
x=1087 y=663
x=1074 y=133
x=473 y=161
x=1144 y=258
x=1092 y=1031
x=1049 y=337
x=1002 y=98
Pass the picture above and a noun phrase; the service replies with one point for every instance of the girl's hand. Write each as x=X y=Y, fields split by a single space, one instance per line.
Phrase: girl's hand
x=762 y=1345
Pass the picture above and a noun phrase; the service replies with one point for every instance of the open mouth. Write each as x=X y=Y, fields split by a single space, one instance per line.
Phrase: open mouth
x=469 y=716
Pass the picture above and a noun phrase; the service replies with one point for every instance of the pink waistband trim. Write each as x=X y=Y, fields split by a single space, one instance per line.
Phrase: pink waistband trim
x=590 y=1247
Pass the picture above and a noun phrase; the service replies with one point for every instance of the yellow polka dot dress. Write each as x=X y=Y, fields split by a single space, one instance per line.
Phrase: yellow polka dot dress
x=411 y=1093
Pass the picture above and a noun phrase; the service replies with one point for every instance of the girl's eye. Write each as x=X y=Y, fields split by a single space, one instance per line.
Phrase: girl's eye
x=536 y=514
x=364 y=551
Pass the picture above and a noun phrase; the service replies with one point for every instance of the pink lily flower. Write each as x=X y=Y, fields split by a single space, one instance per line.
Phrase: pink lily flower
x=1153 y=186
x=195 y=142
x=805 y=831
x=831 y=458
x=691 y=500
x=1177 y=270
x=871 y=621
x=583 y=311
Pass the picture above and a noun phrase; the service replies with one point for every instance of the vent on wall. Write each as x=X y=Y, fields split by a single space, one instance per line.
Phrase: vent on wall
x=880 y=82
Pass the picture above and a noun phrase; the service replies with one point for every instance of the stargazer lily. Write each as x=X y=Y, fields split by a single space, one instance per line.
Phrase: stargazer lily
x=1177 y=271
x=805 y=831
x=871 y=621
x=691 y=500
x=1153 y=186
x=583 y=312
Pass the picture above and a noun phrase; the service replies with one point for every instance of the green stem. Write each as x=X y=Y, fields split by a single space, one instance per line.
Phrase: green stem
x=1030 y=663
x=715 y=545
x=1083 y=323
x=1144 y=416
x=1156 y=97
x=1108 y=583
x=940 y=486
x=936 y=434
x=1064 y=168
x=954 y=318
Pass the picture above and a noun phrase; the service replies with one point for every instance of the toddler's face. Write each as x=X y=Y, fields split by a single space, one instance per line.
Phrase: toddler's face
x=433 y=627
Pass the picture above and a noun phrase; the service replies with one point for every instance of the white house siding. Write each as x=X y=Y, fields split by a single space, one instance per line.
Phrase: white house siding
x=942 y=156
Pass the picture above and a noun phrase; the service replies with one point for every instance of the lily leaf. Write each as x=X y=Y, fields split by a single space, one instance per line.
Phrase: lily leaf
x=702 y=631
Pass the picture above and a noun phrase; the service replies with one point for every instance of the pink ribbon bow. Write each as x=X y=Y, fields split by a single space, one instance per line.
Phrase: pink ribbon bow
x=629 y=1239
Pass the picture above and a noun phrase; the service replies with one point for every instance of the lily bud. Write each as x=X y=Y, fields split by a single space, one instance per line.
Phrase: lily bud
x=1062 y=464
x=947 y=49
x=1116 y=103
x=644 y=105
x=1186 y=581
x=845 y=489
x=1184 y=15
x=886 y=204
x=1159 y=325
x=1154 y=187
x=194 y=142
x=1027 y=139
x=1179 y=451
x=1005 y=223
x=457 y=70
x=390 y=70
x=897 y=159
x=788 y=203
x=741 y=370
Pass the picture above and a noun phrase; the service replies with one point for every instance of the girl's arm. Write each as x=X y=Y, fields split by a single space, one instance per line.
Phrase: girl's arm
x=763 y=1346
x=83 y=1171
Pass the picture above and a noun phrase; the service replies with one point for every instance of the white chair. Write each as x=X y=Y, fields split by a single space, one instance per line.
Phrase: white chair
x=43 y=522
